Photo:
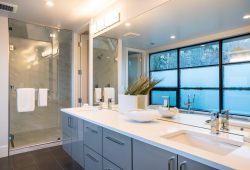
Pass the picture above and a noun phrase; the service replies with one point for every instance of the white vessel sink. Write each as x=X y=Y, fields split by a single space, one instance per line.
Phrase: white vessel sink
x=205 y=142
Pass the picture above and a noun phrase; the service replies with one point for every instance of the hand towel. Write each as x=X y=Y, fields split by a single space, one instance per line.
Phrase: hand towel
x=42 y=97
x=109 y=93
x=98 y=94
x=25 y=99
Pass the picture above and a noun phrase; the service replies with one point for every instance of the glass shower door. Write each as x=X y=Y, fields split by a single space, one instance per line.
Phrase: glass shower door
x=40 y=57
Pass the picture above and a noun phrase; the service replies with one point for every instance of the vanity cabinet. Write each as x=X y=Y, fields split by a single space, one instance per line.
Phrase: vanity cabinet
x=107 y=165
x=148 y=157
x=72 y=137
x=188 y=164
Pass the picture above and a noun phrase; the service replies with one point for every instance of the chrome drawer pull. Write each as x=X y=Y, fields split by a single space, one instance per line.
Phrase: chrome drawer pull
x=91 y=157
x=92 y=130
x=182 y=165
x=115 y=140
x=169 y=162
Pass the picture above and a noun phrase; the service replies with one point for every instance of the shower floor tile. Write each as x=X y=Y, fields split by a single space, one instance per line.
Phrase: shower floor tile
x=36 y=137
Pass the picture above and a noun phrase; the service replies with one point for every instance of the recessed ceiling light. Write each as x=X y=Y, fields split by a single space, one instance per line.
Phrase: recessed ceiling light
x=172 y=36
x=50 y=3
x=127 y=24
x=246 y=16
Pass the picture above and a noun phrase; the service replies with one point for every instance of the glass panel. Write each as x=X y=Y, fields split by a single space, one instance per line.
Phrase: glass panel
x=236 y=75
x=163 y=60
x=203 y=100
x=156 y=97
x=105 y=72
x=40 y=57
x=200 y=55
x=200 y=77
x=236 y=50
x=169 y=78
x=134 y=66
x=237 y=101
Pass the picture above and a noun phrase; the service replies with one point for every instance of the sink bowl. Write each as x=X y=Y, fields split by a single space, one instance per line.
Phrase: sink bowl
x=205 y=142
x=168 y=113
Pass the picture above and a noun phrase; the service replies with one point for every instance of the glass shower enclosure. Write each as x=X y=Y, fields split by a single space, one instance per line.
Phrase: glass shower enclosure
x=40 y=57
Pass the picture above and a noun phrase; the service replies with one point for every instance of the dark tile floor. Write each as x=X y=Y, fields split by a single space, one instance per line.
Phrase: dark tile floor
x=53 y=158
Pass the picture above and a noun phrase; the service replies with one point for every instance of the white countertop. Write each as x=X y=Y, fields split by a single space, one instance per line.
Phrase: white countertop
x=152 y=133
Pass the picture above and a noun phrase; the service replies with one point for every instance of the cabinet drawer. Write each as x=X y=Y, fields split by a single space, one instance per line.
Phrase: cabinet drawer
x=93 y=136
x=107 y=165
x=148 y=157
x=117 y=149
x=93 y=161
x=188 y=164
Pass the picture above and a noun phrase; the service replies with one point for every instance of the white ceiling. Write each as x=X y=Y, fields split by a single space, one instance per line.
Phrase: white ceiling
x=66 y=14
x=186 y=19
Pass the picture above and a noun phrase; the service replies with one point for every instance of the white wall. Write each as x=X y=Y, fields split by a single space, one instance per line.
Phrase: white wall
x=4 y=90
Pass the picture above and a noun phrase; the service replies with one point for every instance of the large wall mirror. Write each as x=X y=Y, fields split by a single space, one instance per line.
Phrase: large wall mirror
x=197 y=47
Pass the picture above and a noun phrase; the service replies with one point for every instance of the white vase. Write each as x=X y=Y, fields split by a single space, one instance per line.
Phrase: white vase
x=131 y=102
x=127 y=103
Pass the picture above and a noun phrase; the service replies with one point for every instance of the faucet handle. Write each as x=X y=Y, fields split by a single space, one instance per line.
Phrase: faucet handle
x=214 y=115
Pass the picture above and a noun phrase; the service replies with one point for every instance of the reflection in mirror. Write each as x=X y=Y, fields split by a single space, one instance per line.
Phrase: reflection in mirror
x=135 y=66
x=202 y=61
x=105 y=73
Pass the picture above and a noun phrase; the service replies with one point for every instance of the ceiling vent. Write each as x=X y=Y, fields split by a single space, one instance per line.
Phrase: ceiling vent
x=8 y=7
x=131 y=35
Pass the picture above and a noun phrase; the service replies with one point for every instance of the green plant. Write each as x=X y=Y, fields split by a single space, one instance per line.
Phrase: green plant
x=142 y=86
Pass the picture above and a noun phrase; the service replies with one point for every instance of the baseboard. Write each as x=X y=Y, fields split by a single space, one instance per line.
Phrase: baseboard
x=34 y=147
x=3 y=151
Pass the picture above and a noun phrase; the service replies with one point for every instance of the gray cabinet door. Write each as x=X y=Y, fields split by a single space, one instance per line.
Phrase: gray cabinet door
x=117 y=149
x=148 y=157
x=77 y=141
x=93 y=161
x=66 y=133
x=188 y=164
x=107 y=165
x=93 y=136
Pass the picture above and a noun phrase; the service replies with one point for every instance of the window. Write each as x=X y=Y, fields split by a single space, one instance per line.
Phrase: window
x=215 y=75
x=200 y=55
x=236 y=75
x=198 y=79
x=163 y=60
x=163 y=66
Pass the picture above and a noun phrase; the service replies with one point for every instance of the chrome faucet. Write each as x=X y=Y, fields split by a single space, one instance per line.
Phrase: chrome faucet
x=225 y=120
x=215 y=123
x=166 y=102
x=189 y=103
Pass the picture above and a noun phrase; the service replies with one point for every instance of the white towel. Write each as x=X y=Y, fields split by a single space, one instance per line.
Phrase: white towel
x=42 y=97
x=109 y=93
x=98 y=94
x=25 y=99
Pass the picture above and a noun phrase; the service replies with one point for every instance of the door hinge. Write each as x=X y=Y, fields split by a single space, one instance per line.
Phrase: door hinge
x=79 y=44
x=79 y=72
x=79 y=100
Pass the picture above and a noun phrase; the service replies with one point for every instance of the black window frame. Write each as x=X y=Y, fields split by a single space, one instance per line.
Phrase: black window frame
x=220 y=65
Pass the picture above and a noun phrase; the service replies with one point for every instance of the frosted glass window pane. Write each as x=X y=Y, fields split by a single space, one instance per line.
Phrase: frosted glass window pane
x=200 y=77
x=204 y=99
x=169 y=78
x=200 y=55
x=163 y=60
x=237 y=101
x=236 y=50
x=156 y=97
x=236 y=75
